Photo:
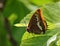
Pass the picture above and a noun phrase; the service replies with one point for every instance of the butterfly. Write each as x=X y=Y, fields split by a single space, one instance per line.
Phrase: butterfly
x=37 y=24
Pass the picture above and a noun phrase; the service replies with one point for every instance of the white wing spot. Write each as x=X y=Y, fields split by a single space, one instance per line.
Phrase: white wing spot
x=38 y=21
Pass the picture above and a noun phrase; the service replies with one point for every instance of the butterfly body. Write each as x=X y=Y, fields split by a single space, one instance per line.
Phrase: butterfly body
x=37 y=23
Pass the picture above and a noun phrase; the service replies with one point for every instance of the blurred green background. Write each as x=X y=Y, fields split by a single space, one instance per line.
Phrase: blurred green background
x=19 y=12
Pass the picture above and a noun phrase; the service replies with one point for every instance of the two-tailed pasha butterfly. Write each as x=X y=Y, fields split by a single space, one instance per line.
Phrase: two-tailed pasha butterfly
x=37 y=23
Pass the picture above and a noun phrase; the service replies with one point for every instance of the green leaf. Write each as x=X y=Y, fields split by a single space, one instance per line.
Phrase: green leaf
x=15 y=10
x=58 y=42
x=3 y=33
x=42 y=2
x=52 y=16
x=17 y=33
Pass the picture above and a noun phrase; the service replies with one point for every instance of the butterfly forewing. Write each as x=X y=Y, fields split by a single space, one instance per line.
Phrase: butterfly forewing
x=37 y=23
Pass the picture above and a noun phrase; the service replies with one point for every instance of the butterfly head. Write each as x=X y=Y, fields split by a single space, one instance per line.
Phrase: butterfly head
x=29 y=29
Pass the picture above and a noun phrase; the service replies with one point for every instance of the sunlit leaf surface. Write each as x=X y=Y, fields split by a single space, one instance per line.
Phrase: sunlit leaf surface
x=16 y=11
x=52 y=15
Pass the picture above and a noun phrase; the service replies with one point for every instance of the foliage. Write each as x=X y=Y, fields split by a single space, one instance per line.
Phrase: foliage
x=18 y=14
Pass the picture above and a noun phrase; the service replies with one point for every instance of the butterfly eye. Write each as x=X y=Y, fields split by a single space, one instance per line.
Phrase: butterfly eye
x=28 y=29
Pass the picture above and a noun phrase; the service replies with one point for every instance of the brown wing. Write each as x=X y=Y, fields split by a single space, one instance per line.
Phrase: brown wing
x=36 y=24
x=42 y=21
